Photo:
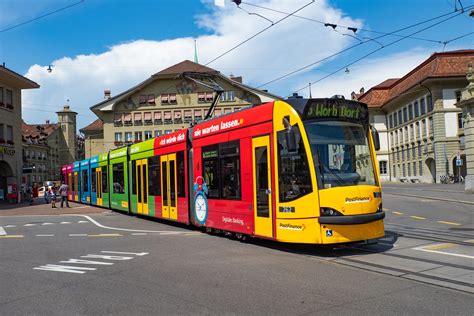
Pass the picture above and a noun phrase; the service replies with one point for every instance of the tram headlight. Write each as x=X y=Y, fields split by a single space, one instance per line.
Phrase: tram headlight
x=327 y=211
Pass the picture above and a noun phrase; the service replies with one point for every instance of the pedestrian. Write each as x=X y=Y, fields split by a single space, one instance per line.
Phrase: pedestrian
x=63 y=191
x=47 y=194
x=53 y=197
x=29 y=194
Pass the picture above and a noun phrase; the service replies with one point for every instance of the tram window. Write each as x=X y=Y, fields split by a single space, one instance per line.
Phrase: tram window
x=154 y=183
x=84 y=181
x=294 y=177
x=93 y=181
x=221 y=170
x=134 y=177
x=118 y=178
x=180 y=167
x=104 y=179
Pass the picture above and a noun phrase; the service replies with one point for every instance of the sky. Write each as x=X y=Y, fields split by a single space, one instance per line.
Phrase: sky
x=97 y=45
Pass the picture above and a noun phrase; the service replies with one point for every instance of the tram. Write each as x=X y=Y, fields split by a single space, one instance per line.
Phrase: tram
x=296 y=171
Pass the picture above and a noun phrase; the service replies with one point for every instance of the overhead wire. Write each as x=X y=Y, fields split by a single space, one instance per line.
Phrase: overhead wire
x=380 y=48
x=356 y=45
x=42 y=16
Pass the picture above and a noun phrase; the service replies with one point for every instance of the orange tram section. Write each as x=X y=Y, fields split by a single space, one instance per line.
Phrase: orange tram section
x=298 y=171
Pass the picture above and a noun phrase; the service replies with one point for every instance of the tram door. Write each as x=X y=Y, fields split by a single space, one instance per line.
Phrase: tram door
x=169 y=194
x=98 y=185
x=142 y=186
x=70 y=184
x=76 y=186
x=262 y=186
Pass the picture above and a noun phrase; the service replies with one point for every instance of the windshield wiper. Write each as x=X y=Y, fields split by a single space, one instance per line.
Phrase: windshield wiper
x=323 y=167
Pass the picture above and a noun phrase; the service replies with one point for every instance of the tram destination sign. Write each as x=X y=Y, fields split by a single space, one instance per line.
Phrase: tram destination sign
x=329 y=109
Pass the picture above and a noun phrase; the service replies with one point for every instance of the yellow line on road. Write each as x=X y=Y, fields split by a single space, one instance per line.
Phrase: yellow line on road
x=398 y=213
x=12 y=236
x=417 y=217
x=441 y=246
x=449 y=223
x=105 y=235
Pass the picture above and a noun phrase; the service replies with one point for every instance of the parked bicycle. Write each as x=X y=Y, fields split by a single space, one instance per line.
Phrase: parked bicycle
x=448 y=178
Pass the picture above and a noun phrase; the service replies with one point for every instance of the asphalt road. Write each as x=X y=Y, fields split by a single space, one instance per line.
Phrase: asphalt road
x=109 y=263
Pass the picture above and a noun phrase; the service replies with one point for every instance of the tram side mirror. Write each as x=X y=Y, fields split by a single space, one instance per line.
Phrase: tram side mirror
x=289 y=135
x=376 y=138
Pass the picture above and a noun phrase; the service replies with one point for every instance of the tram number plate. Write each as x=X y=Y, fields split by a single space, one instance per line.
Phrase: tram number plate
x=287 y=209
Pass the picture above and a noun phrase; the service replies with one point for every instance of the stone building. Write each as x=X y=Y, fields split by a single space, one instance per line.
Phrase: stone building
x=47 y=147
x=11 y=85
x=421 y=129
x=167 y=101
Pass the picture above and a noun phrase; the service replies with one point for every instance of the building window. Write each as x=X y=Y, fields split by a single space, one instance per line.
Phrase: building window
x=430 y=119
x=228 y=96
x=2 y=98
x=148 y=135
x=413 y=154
x=417 y=109
x=9 y=99
x=172 y=98
x=198 y=115
x=188 y=116
x=2 y=135
x=151 y=99
x=157 y=133
x=405 y=115
x=420 y=163
x=395 y=122
x=201 y=97
x=9 y=134
x=221 y=170
x=157 y=118
x=118 y=119
x=128 y=136
x=403 y=169
x=458 y=95
x=412 y=133
x=403 y=154
x=138 y=136
x=147 y=118
x=143 y=99
x=177 y=117
x=127 y=119
x=217 y=112
x=118 y=137
x=414 y=168
x=168 y=131
x=137 y=118
x=400 y=121
x=383 y=167
x=410 y=112
x=390 y=119
x=460 y=121
x=419 y=150
x=165 y=98
x=406 y=134
x=167 y=117
x=429 y=101
x=422 y=106
x=227 y=110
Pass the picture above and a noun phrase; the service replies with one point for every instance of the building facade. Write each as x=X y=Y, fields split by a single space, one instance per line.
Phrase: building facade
x=11 y=162
x=420 y=127
x=47 y=147
x=166 y=102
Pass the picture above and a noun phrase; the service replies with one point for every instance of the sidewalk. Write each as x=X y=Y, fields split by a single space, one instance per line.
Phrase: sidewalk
x=40 y=208
x=454 y=192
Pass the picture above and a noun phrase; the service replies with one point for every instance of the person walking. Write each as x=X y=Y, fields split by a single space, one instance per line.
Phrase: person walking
x=63 y=191
x=47 y=194
x=53 y=197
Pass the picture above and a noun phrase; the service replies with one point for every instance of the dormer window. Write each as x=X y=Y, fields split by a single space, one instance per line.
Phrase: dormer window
x=143 y=99
x=151 y=99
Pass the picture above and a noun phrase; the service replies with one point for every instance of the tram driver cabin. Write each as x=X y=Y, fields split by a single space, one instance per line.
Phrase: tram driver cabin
x=299 y=171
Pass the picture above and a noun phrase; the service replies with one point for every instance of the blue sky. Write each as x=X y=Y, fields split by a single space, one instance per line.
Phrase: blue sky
x=104 y=44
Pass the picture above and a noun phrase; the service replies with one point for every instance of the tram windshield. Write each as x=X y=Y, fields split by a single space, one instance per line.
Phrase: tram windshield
x=341 y=153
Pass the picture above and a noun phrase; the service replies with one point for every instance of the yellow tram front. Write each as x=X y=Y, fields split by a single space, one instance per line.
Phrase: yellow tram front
x=327 y=178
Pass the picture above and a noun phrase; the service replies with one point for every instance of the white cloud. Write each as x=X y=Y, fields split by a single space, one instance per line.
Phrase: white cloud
x=284 y=47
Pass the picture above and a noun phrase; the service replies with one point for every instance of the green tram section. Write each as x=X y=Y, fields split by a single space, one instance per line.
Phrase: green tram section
x=141 y=201
x=118 y=179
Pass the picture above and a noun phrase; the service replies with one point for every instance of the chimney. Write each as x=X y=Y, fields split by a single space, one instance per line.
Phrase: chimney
x=107 y=94
x=362 y=90
x=47 y=121
x=236 y=79
x=353 y=95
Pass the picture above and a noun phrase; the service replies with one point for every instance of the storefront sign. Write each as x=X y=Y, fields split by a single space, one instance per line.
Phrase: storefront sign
x=7 y=151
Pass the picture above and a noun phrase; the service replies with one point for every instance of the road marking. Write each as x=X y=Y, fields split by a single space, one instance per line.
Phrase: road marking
x=81 y=261
x=385 y=209
x=449 y=223
x=10 y=226
x=80 y=222
x=127 y=253
x=105 y=235
x=417 y=217
x=29 y=225
x=60 y=268
x=444 y=253
x=77 y=235
x=441 y=246
x=170 y=233
x=12 y=236
x=45 y=235
x=85 y=206
x=139 y=234
x=2 y=231
x=398 y=213
x=65 y=223
x=47 y=224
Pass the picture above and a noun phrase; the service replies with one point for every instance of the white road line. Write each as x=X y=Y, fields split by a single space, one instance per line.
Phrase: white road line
x=29 y=225
x=445 y=253
x=171 y=233
x=139 y=234
x=2 y=231
x=65 y=223
x=8 y=226
x=47 y=224
x=77 y=235
x=45 y=235
x=81 y=222
x=122 y=229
